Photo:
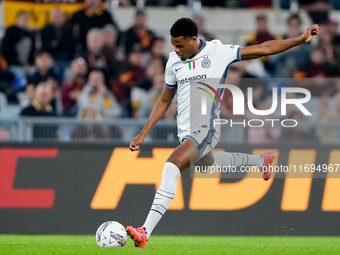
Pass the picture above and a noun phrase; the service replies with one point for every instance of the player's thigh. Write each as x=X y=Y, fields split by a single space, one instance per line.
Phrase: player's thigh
x=205 y=149
x=207 y=160
x=184 y=154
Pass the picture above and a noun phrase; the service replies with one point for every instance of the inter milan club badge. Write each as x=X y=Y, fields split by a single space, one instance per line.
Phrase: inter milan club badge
x=206 y=63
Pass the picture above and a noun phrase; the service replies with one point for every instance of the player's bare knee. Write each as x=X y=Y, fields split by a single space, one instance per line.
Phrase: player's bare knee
x=176 y=160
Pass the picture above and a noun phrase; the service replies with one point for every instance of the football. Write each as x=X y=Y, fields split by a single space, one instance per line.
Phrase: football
x=111 y=234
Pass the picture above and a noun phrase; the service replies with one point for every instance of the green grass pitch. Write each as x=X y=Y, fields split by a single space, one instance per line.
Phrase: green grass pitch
x=172 y=245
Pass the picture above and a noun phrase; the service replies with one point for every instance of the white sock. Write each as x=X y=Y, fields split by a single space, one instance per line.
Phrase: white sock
x=163 y=197
x=223 y=158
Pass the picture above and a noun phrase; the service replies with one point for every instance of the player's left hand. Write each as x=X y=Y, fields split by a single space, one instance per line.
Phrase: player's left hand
x=310 y=32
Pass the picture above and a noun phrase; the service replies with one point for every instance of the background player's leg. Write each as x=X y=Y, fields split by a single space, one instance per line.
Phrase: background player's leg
x=178 y=161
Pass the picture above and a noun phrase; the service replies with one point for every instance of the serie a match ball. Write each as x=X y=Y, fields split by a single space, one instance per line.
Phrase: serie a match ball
x=111 y=234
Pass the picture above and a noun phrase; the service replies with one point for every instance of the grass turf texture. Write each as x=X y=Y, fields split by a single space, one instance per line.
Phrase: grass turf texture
x=59 y=244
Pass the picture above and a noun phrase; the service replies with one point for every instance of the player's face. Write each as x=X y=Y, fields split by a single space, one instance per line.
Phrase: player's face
x=185 y=47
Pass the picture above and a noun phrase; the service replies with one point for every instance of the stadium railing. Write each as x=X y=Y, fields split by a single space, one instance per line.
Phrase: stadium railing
x=66 y=130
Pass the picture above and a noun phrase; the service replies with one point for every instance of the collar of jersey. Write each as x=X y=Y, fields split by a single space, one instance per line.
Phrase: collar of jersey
x=204 y=43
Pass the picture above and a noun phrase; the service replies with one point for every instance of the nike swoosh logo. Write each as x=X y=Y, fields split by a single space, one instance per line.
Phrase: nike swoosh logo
x=178 y=69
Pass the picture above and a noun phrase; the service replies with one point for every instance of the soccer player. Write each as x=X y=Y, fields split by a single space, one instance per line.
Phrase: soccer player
x=191 y=58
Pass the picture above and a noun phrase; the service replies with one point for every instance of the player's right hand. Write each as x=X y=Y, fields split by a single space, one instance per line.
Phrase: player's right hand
x=310 y=33
x=134 y=144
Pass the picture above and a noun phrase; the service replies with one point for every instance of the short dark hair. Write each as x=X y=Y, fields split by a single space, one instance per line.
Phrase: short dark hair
x=155 y=39
x=140 y=12
x=42 y=53
x=22 y=12
x=294 y=16
x=261 y=17
x=184 y=27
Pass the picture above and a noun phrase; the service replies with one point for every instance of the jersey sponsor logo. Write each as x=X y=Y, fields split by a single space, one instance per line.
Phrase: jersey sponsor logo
x=192 y=65
x=192 y=79
x=176 y=70
x=206 y=63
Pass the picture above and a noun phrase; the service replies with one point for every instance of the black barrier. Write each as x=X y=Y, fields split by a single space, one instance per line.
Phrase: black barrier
x=62 y=189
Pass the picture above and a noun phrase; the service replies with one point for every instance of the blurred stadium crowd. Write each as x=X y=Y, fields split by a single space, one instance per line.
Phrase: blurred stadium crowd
x=85 y=66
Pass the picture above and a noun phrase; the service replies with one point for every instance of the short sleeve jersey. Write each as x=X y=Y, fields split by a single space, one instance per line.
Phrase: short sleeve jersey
x=211 y=61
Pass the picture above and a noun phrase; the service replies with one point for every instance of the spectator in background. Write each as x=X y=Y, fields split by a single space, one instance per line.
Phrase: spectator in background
x=40 y=105
x=155 y=67
x=294 y=26
x=325 y=42
x=6 y=78
x=202 y=33
x=260 y=4
x=45 y=73
x=317 y=9
x=18 y=43
x=93 y=15
x=110 y=42
x=151 y=96
x=128 y=80
x=98 y=57
x=73 y=87
x=157 y=51
x=261 y=35
x=89 y=132
x=58 y=39
x=138 y=36
x=333 y=28
x=144 y=84
x=317 y=69
x=96 y=95
x=325 y=135
x=297 y=58
x=317 y=65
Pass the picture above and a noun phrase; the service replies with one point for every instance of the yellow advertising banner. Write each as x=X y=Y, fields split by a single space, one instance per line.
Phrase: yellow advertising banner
x=126 y=168
x=39 y=13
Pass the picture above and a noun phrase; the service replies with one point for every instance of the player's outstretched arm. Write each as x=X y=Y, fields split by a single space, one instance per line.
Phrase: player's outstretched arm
x=157 y=113
x=274 y=47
